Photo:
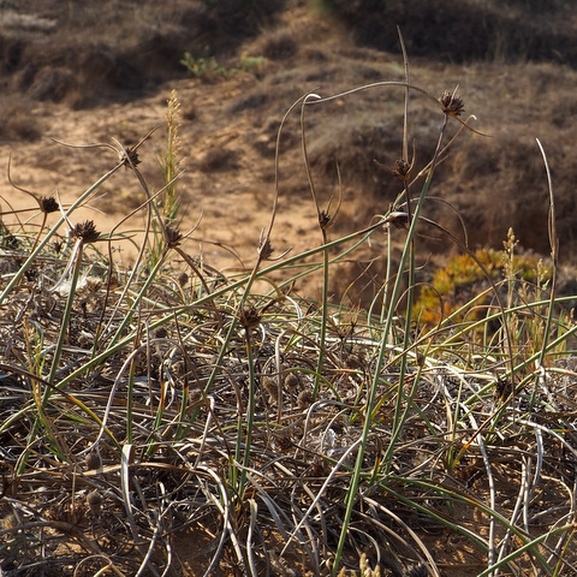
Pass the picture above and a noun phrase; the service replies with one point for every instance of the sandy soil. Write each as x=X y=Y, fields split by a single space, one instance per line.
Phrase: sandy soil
x=228 y=134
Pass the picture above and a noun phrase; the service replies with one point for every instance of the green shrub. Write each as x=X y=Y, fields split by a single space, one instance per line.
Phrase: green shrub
x=462 y=279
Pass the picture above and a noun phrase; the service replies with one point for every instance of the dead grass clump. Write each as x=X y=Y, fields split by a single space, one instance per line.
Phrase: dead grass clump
x=280 y=46
x=20 y=121
x=108 y=53
x=140 y=407
x=266 y=143
x=53 y=84
x=353 y=148
x=218 y=28
x=507 y=170
x=79 y=77
x=474 y=31
x=363 y=153
x=249 y=101
x=219 y=159
x=11 y=49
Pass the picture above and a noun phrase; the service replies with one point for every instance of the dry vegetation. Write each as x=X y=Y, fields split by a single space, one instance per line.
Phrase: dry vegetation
x=171 y=414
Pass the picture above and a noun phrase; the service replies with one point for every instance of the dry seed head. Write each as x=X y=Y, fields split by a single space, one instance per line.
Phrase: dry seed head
x=249 y=317
x=292 y=381
x=265 y=249
x=94 y=500
x=452 y=104
x=504 y=388
x=173 y=237
x=304 y=399
x=325 y=219
x=399 y=219
x=86 y=231
x=174 y=121
x=131 y=158
x=283 y=440
x=93 y=461
x=48 y=204
x=270 y=386
x=402 y=170
x=355 y=360
x=319 y=468
x=161 y=333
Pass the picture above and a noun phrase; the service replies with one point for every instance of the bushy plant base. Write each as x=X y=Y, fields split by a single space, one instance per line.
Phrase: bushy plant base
x=169 y=420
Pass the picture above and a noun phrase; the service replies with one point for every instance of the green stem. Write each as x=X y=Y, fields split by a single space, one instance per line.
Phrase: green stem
x=372 y=393
x=40 y=247
x=119 y=344
x=324 y=320
x=249 y=414
x=64 y=323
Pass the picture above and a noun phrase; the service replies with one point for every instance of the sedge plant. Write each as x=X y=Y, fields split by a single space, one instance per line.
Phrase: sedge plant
x=173 y=402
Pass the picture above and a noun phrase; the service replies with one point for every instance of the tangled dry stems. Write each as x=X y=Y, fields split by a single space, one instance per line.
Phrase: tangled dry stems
x=143 y=409
x=134 y=451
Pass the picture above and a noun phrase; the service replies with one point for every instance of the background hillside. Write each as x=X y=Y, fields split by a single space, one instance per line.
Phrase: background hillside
x=85 y=72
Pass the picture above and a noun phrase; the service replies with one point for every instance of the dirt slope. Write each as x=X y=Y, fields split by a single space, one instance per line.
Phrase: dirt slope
x=232 y=110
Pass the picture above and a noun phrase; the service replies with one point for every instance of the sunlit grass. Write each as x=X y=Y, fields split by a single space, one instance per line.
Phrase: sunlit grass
x=139 y=406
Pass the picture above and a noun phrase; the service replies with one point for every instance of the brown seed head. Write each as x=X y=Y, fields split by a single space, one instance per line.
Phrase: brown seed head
x=452 y=104
x=161 y=333
x=249 y=317
x=402 y=170
x=304 y=399
x=292 y=381
x=283 y=441
x=265 y=249
x=271 y=387
x=504 y=389
x=86 y=231
x=195 y=396
x=48 y=204
x=173 y=237
x=325 y=219
x=93 y=461
x=399 y=219
x=355 y=360
x=131 y=158
x=94 y=500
